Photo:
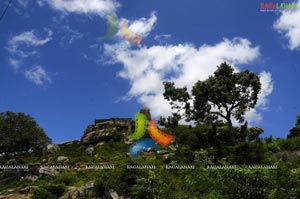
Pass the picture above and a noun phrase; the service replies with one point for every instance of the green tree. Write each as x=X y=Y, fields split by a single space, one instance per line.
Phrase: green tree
x=253 y=134
x=20 y=134
x=170 y=122
x=295 y=131
x=223 y=95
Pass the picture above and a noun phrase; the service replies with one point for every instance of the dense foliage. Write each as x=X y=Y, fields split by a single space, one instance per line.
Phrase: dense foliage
x=194 y=146
x=20 y=134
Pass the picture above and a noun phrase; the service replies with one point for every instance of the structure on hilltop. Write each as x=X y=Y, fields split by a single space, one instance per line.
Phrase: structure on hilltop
x=115 y=129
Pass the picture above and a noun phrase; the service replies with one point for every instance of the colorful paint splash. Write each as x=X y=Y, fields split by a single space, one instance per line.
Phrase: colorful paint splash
x=129 y=35
x=141 y=146
x=140 y=126
x=112 y=26
x=159 y=136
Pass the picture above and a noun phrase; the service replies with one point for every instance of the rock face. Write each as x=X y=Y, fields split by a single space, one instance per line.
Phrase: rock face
x=48 y=172
x=62 y=159
x=104 y=130
x=32 y=178
x=52 y=148
x=115 y=129
x=114 y=195
x=90 y=151
x=63 y=144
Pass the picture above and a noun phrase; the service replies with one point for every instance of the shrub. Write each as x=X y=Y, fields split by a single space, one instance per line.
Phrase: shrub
x=66 y=178
x=56 y=189
x=290 y=144
x=42 y=193
x=247 y=153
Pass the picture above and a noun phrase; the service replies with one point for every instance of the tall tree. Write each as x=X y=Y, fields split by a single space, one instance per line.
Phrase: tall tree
x=223 y=95
x=19 y=134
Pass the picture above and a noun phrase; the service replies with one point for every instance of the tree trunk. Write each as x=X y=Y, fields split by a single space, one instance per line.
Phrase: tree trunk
x=230 y=129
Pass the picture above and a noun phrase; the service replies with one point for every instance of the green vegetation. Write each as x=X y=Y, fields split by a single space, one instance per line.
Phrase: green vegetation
x=224 y=95
x=20 y=135
x=295 y=131
x=199 y=146
x=229 y=162
x=51 y=191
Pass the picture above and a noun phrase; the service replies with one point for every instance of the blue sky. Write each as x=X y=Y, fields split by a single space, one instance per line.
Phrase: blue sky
x=55 y=66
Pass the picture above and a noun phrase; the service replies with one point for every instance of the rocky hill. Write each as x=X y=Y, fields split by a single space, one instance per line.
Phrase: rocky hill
x=102 y=143
x=198 y=164
x=104 y=130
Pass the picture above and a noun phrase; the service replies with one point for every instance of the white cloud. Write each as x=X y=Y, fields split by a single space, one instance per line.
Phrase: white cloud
x=253 y=116
x=27 y=39
x=143 y=26
x=267 y=88
x=38 y=75
x=288 y=25
x=163 y=36
x=97 y=7
x=23 y=46
x=147 y=67
x=15 y=63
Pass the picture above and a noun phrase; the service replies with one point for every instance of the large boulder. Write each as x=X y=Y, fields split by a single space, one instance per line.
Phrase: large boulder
x=114 y=195
x=32 y=178
x=52 y=148
x=90 y=151
x=104 y=130
x=76 y=192
x=73 y=142
x=62 y=159
x=48 y=172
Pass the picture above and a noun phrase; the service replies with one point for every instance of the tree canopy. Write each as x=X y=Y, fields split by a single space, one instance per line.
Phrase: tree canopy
x=226 y=95
x=295 y=131
x=19 y=133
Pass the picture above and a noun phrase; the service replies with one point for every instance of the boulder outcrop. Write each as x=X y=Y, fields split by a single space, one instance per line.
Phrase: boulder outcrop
x=104 y=130
x=90 y=151
x=52 y=148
